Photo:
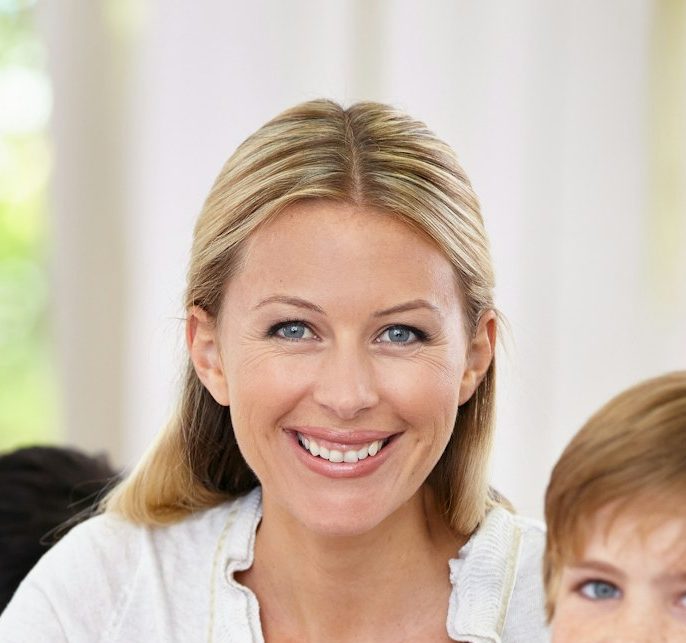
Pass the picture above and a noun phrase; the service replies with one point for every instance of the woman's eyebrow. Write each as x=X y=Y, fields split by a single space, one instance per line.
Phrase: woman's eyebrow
x=409 y=305
x=290 y=301
x=303 y=303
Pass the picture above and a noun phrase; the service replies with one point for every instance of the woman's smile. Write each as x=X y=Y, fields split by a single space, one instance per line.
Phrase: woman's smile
x=340 y=455
x=340 y=448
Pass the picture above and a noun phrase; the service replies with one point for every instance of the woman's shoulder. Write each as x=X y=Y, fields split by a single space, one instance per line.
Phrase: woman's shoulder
x=112 y=538
x=119 y=547
x=526 y=619
x=498 y=581
x=532 y=543
x=89 y=566
x=502 y=526
x=525 y=616
x=107 y=567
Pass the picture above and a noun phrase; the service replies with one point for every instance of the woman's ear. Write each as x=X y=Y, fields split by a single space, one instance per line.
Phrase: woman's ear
x=203 y=348
x=479 y=355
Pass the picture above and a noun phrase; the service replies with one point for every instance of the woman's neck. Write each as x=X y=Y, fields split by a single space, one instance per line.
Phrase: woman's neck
x=367 y=585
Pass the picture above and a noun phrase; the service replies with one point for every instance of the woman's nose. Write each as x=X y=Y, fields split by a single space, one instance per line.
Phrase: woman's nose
x=345 y=383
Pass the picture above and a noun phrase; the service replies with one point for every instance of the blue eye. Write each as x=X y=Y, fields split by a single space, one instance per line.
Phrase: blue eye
x=401 y=335
x=292 y=330
x=599 y=590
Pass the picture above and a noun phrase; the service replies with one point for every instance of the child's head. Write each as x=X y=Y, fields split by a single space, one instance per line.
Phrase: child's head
x=616 y=511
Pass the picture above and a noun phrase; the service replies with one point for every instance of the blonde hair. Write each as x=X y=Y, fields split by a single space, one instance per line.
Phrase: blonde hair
x=630 y=455
x=370 y=155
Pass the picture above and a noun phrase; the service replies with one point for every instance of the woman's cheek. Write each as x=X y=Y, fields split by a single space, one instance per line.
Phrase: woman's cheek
x=421 y=388
x=269 y=371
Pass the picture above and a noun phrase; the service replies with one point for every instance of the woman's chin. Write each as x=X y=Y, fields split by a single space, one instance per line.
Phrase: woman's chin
x=336 y=514
x=327 y=525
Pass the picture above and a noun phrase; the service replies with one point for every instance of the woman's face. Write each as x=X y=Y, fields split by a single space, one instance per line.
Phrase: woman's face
x=342 y=353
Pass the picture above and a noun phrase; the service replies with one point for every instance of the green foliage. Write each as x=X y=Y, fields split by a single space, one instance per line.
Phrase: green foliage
x=28 y=389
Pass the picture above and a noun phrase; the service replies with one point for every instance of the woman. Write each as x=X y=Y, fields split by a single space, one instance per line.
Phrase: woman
x=325 y=477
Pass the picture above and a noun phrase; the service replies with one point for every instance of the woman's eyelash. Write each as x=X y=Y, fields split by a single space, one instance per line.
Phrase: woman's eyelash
x=286 y=324
x=420 y=335
x=296 y=329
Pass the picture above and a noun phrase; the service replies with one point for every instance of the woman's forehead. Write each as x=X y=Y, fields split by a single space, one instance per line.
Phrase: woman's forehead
x=343 y=231
x=327 y=245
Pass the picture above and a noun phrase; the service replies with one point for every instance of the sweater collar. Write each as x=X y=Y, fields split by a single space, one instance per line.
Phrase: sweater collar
x=482 y=575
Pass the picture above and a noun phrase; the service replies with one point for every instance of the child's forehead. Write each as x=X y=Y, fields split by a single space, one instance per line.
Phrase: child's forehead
x=625 y=533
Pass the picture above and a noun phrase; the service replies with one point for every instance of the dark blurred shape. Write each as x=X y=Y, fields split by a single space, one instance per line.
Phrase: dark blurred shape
x=44 y=492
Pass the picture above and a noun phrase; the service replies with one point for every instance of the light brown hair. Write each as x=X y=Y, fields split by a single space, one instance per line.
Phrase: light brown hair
x=369 y=155
x=629 y=456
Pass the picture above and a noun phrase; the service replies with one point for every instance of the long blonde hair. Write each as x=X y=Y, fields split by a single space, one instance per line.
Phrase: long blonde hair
x=368 y=154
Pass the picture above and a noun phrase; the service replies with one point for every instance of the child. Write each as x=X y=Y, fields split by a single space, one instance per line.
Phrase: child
x=615 y=558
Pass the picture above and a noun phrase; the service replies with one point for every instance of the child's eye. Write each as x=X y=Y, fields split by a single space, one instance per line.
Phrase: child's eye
x=599 y=590
x=291 y=330
x=400 y=334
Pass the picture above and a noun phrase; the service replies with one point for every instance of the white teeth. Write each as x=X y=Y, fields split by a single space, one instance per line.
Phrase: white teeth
x=350 y=456
x=334 y=455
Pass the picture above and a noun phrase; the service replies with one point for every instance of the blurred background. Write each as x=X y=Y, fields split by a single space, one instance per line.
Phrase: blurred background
x=116 y=115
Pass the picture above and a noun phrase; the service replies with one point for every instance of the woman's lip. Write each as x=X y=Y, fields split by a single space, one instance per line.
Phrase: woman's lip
x=345 y=439
x=339 y=469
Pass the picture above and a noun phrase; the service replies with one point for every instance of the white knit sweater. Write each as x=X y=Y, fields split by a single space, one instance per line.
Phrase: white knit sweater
x=111 y=581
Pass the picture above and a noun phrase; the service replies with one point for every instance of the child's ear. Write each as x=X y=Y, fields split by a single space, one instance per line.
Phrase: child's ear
x=203 y=347
x=479 y=355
